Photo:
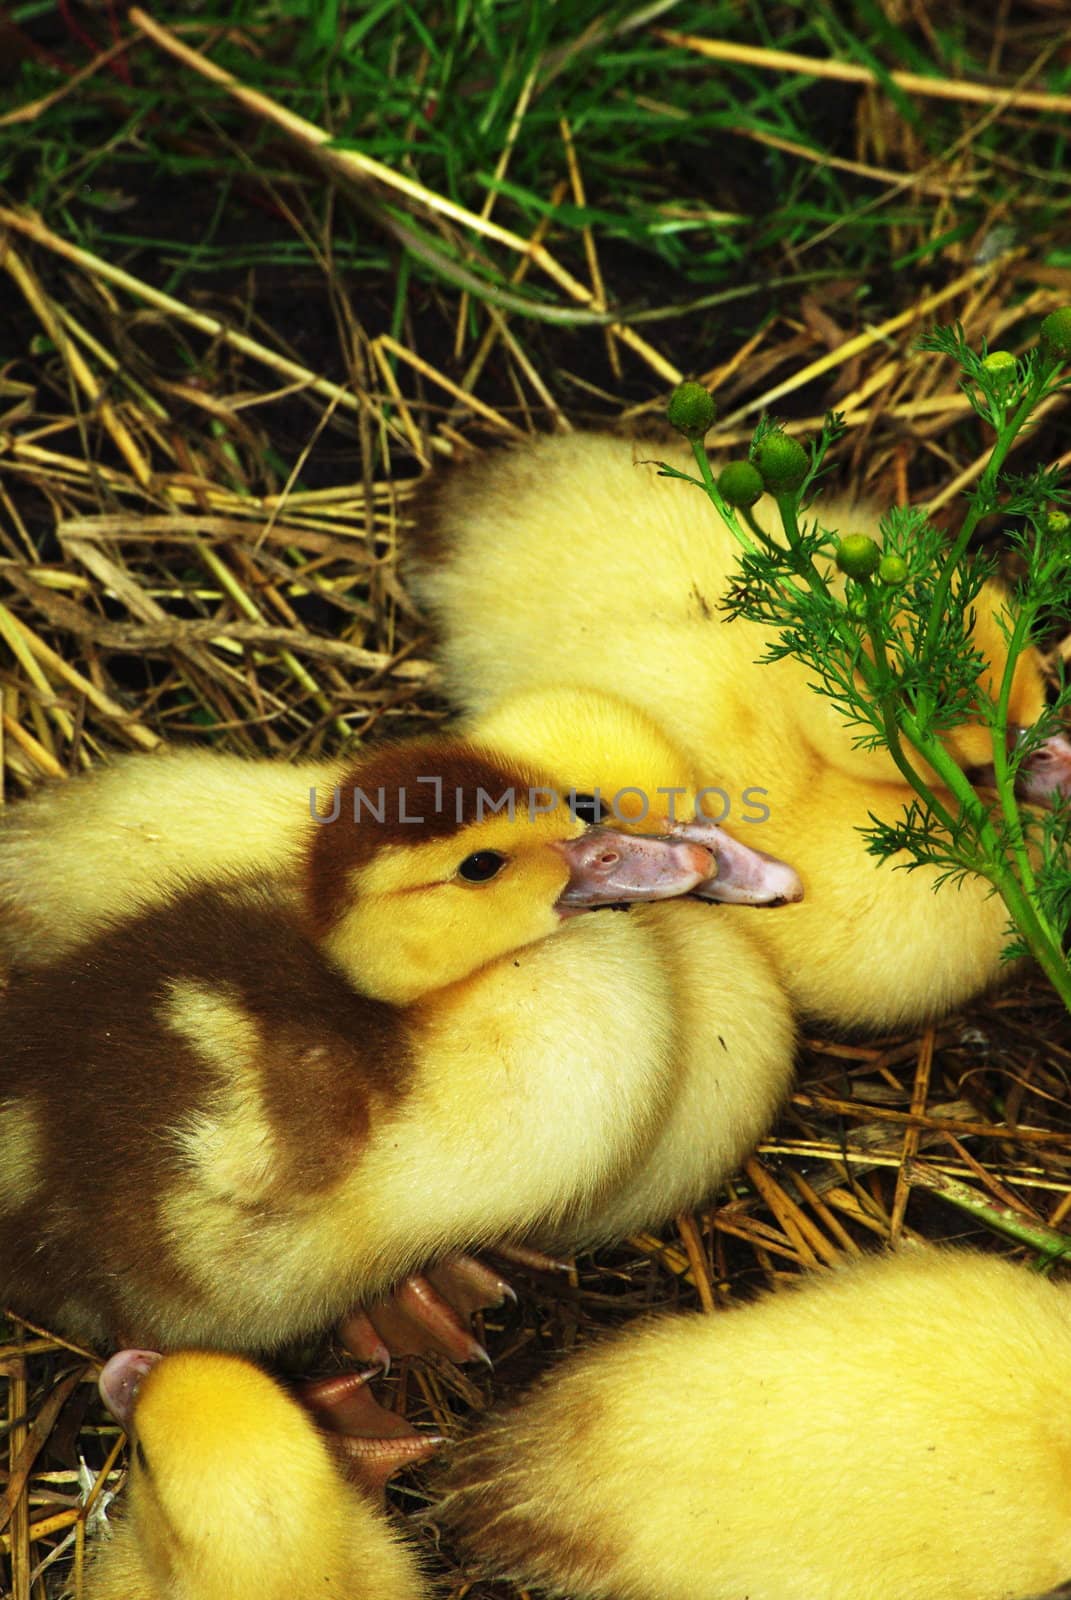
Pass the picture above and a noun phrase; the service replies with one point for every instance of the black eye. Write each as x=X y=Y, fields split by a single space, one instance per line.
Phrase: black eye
x=483 y=865
x=586 y=808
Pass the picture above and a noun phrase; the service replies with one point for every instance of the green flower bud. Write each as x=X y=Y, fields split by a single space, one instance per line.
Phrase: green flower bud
x=1002 y=366
x=739 y=483
x=858 y=555
x=892 y=569
x=1056 y=333
x=782 y=462
x=691 y=410
x=857 y=607
x=1056 y=521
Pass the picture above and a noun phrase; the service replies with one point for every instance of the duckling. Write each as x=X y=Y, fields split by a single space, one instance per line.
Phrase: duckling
x=233 y=1493
x=897 y=1430
x=157 y=824
x=594 y=546
x=629 y=568
x=426 y=1045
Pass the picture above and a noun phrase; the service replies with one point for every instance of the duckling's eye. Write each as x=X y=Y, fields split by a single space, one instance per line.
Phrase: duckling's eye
x=482 y=866
x=586 y=808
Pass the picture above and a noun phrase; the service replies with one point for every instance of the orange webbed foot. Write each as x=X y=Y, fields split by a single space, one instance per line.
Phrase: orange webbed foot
x=428 y=1315
x=369 y=1443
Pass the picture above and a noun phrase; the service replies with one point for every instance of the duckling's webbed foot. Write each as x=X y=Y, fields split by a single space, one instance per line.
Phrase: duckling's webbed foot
x=428 y=1315
x=369 y=1443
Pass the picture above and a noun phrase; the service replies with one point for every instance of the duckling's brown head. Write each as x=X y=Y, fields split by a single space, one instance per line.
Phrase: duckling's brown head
x=438 y=857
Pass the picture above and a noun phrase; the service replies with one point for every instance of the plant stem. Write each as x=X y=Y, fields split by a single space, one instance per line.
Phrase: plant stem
x=1009 y=805
x=984 y=499
x=1040 y=937
x=1049 y=1244
x=889 y=702
x=726 y=512
x=873 y=688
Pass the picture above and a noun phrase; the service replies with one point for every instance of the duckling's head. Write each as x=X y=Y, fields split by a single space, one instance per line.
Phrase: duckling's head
x=600 y=743
x=1045 y=770
x=230 y=1479
x=442 y=855
x=618 y=768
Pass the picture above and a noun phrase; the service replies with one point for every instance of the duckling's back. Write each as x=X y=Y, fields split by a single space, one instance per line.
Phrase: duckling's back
x=571 y=558
x=897 y=1431
x=348 y=1553
x=79 y=854
x=168 y=1104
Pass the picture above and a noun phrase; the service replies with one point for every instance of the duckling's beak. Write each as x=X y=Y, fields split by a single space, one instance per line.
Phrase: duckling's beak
x=120 y=1379
x=1045 y=774
x=742 y=876
x=608 y=868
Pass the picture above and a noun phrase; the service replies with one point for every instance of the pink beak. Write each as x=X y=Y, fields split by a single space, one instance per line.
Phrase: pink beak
x=608 y=868
x=1046 y=772
x=120 y=1379
x=744 y=876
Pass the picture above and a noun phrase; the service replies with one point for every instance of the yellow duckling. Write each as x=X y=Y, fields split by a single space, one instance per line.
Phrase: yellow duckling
x=894 y=1431
x=420 y=1042
x=595 y=549
x=234 y=1494
x=624 y=571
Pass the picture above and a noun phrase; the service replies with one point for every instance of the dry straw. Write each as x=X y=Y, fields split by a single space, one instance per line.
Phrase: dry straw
x=187 y=587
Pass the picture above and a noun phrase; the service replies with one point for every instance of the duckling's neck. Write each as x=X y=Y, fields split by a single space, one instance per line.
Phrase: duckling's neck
x=413 y=964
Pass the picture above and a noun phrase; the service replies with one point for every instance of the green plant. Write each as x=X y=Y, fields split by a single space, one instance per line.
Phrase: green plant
x=888 y=634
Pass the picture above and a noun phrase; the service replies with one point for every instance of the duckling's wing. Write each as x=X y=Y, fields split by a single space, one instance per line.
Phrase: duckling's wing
x=77 y=855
